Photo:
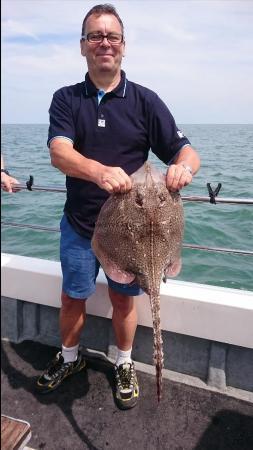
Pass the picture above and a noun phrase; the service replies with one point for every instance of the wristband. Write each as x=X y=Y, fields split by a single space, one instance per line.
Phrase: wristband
x=5 y=171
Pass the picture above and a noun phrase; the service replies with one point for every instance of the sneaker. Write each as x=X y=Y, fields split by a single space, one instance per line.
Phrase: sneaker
x=127 y=389
x=57 y=371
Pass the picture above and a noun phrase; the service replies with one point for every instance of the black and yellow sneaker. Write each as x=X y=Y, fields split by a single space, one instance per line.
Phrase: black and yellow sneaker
x=57 y=371
x=127 y=389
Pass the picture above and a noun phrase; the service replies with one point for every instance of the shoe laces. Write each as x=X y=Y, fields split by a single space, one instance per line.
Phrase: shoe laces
x=57 y=366
x=126 y=375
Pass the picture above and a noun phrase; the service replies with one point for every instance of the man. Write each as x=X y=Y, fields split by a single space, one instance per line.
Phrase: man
x=100 y=132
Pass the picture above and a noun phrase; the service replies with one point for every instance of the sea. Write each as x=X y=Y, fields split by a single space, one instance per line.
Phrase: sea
x=226 y=153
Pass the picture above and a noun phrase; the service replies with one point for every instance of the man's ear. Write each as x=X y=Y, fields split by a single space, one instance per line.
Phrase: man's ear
x=82 y=46
x=124 y=49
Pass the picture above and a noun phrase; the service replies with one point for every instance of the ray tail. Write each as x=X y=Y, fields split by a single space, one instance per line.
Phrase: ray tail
x=158 y=342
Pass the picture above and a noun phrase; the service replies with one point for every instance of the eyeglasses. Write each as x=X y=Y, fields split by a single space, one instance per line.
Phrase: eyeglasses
x=97 y=38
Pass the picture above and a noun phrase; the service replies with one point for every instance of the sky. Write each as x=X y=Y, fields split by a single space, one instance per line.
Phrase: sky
x=197 y=55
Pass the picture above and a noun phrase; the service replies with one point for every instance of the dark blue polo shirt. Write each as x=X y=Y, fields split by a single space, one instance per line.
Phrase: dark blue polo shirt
x=117 y=131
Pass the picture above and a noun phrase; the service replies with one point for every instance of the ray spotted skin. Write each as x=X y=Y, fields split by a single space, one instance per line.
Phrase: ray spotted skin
x=138 y=238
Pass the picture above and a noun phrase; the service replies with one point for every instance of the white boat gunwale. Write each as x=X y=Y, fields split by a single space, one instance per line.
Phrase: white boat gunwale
x=204 y=311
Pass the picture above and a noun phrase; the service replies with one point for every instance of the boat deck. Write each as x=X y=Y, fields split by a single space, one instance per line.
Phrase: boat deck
x=82 y=414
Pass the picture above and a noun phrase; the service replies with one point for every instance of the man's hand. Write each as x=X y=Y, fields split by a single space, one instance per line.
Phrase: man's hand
x=8 y=182
x=72 y=163
x=177 y=177
x=113 y=179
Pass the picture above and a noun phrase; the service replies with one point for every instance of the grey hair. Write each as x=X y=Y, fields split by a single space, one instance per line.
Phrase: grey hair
x=98 y=10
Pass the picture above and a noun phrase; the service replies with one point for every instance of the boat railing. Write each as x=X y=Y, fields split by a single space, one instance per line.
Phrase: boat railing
x=185 y=198
x=212 y=198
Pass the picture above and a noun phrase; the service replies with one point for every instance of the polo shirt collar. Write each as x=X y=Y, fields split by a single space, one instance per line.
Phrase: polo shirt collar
x=119 y=91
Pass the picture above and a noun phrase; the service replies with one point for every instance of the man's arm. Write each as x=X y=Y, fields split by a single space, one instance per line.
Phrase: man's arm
x=72 y=163
x=185 y=165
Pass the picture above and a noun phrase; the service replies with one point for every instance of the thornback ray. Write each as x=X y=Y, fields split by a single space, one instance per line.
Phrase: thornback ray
x=138 y=238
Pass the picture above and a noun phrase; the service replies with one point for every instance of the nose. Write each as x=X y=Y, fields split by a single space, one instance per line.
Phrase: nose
x=105 y=42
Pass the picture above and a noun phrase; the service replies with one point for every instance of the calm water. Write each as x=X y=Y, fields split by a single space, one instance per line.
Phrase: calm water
x=227 y=156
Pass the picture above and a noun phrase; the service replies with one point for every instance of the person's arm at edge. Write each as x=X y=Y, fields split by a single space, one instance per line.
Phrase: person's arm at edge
x=69 y=161
x=185 y=165
x=7 y=181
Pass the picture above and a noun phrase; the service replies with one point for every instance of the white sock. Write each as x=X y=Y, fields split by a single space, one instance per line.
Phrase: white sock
x=123 y=357
x=70 y=353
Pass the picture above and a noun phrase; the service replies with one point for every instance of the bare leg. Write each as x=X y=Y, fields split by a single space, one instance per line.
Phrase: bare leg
x=72 y=319
x=124 y=319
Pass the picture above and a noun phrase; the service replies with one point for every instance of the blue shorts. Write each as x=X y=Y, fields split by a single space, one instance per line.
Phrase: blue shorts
x=80 y=266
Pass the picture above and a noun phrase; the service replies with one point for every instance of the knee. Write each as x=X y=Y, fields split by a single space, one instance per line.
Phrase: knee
x=121 y=303
x=72 y=304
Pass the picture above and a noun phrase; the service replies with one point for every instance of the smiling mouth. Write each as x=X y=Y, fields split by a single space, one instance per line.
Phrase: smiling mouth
x=105 y=54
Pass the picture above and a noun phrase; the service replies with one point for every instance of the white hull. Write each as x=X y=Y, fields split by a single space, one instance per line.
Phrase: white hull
x=208 y=312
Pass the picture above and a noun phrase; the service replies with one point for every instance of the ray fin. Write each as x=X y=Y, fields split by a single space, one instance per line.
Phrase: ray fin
x=172 y=270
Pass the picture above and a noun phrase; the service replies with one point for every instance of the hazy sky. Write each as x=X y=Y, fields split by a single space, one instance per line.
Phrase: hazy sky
x=196 y=54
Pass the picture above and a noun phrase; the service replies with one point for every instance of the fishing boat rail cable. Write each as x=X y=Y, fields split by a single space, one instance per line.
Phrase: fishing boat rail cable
x=189 y=246
x=211 y=199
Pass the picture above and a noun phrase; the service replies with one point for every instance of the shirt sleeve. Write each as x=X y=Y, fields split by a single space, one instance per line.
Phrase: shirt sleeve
x=166 y=139
x=61 y=117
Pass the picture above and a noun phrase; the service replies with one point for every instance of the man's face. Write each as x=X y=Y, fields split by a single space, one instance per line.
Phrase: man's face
x=104 y=56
